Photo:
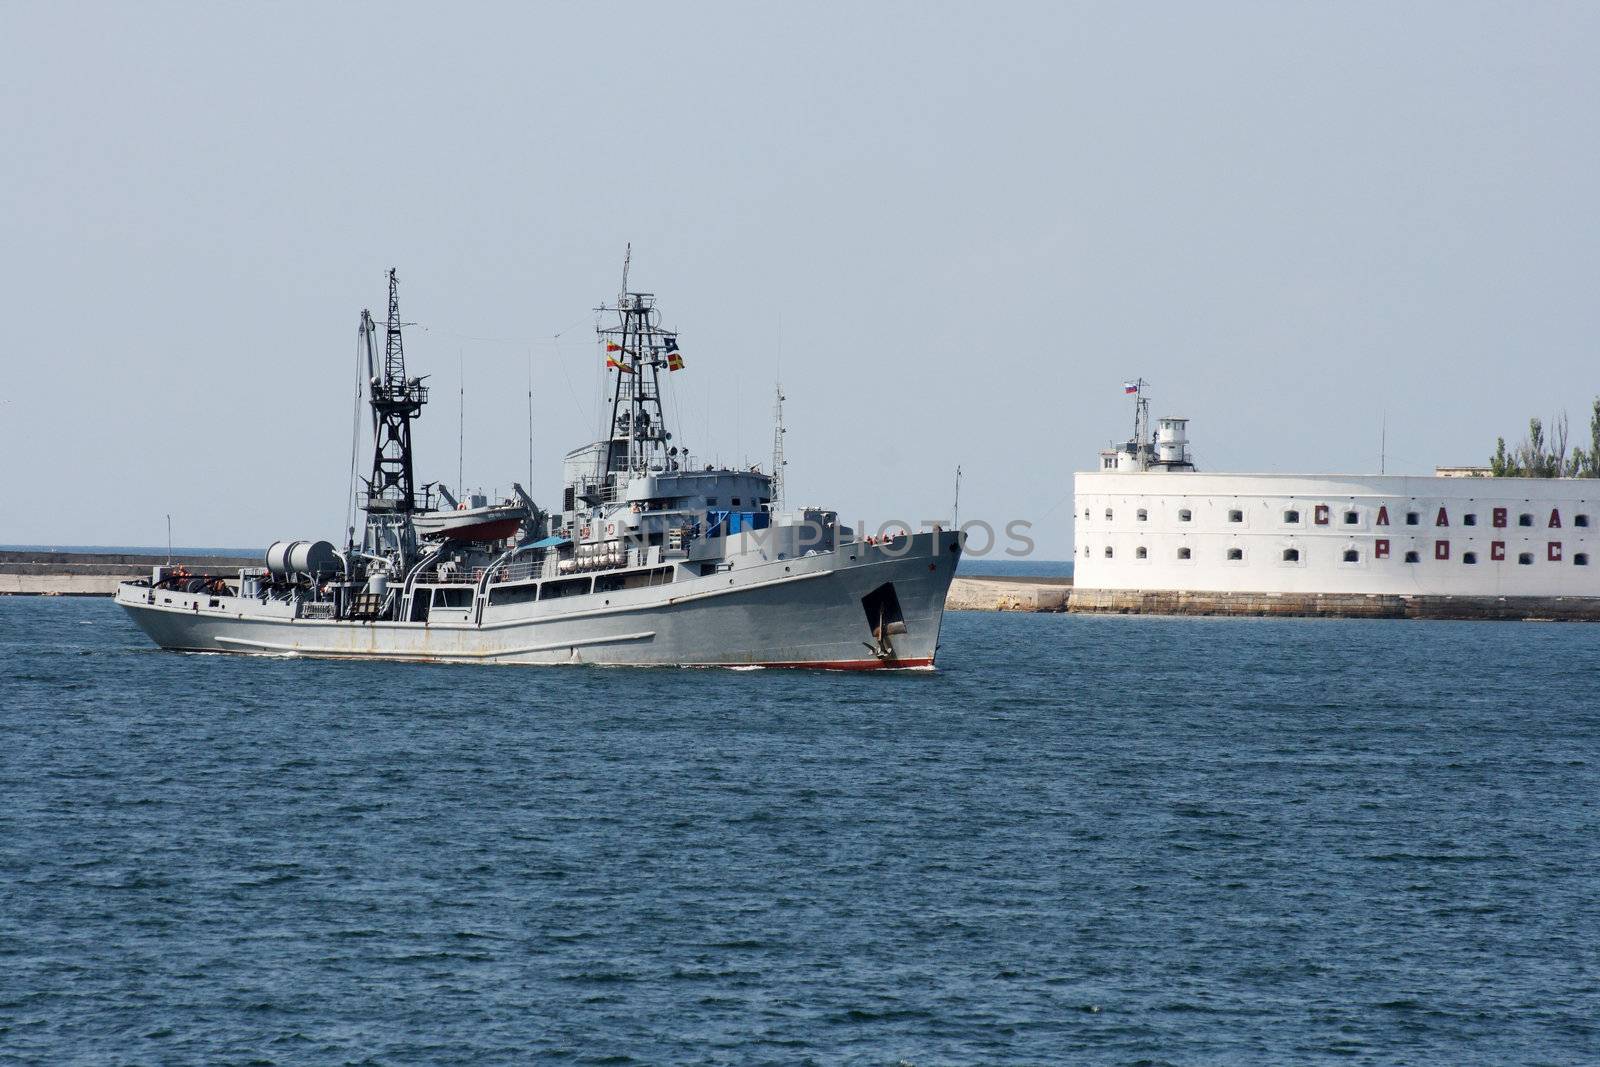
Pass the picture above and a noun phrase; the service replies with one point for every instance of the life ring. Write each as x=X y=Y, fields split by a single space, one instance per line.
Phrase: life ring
x=461 y=507
x=611 y=529
x=584 y=533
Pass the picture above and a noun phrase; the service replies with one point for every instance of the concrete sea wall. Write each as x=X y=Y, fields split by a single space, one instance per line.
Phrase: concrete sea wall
x=94 y=573
x=989 y=593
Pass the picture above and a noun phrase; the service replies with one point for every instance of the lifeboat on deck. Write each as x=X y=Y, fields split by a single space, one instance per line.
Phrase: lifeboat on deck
x=473 y=520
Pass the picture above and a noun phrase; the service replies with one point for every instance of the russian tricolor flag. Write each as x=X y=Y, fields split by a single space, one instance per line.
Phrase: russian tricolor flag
x=1129 y=388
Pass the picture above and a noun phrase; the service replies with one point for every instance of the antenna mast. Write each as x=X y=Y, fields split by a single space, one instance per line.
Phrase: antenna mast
x=461 y=422
x=1143 y=450
x=778 y=462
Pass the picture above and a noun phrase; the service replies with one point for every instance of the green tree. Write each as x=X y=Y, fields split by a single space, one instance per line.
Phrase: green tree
x=1545 y=453
x=1592 y=467
x=1500 y=464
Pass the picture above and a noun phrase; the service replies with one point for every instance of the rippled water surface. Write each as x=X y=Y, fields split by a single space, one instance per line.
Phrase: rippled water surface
x=1083 y=840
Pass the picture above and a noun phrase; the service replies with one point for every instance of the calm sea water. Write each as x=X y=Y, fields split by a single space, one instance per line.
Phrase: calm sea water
x=1083 y=840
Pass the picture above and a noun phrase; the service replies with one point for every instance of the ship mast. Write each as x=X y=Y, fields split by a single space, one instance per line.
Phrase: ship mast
x=396 y=400
x=636 y=350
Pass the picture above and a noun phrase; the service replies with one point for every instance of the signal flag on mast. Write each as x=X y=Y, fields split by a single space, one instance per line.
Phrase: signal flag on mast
x=611 y=360
x=674 y=358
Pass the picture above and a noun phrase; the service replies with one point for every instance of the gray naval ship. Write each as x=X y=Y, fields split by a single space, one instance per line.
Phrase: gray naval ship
x=652 y=559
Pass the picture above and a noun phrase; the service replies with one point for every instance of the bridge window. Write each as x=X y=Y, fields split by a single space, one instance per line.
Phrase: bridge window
x=1291 y=516
x=565 y=587
x=500 y=596
x=1291 y=555
x=1236 y=553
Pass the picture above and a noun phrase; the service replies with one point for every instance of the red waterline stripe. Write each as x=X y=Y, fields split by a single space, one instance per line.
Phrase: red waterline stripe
x=841 y=665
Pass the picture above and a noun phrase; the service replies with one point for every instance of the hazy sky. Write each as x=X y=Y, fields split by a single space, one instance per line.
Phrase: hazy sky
x=961 y=227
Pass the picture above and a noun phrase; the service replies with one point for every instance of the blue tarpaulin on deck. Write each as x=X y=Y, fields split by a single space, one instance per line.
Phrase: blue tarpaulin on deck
x=548 y=542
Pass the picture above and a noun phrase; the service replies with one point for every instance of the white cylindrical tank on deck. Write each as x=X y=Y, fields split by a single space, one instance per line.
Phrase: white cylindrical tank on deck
x=301 y=557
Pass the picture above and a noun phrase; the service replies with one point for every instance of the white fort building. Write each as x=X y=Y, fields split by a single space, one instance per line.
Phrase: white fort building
x=1148 y=522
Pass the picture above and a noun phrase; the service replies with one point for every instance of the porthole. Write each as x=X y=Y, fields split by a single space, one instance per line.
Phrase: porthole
x=1291 y=555
x=1413 y=557
x=1352 y=556
x=1469 y=558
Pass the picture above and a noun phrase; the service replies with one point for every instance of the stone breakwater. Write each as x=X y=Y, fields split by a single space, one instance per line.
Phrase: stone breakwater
x=94 y=573
x=992 y=593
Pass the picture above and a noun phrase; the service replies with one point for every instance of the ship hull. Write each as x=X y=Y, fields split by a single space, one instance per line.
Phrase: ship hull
x=808 y=612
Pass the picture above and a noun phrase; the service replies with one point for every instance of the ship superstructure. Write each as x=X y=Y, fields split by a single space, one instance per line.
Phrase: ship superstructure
x=651 y=558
